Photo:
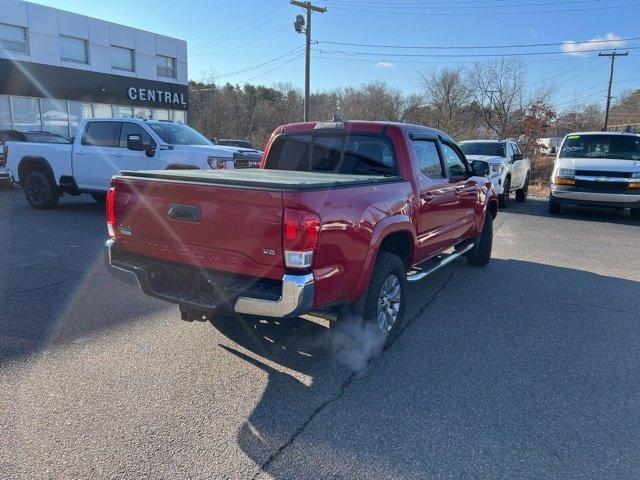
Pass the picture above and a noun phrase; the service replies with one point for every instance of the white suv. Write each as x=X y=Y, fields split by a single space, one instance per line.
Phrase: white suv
x=597 y=169
x=509 y=170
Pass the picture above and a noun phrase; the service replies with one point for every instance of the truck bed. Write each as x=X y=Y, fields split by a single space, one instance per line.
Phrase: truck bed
x=263 y=179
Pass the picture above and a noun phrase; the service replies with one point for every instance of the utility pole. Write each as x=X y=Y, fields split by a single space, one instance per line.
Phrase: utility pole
x=298 y=25
x=613 y=56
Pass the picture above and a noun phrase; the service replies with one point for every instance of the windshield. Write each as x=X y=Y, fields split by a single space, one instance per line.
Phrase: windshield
x=178 y=134
x=494 y=149
x=625 y=147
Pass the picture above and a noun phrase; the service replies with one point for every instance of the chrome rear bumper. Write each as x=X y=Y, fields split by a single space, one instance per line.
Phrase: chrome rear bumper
x=295 y=299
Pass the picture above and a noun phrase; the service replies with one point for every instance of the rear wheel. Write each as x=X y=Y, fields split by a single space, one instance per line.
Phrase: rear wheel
x=521 y=193
x=386 y=297
x=554 y=207
x=635 y=214
x=40 y=191
x=480 y=254
x=503 y=200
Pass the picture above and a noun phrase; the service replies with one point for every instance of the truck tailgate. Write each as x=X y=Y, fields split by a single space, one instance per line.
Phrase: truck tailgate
x=227 y=228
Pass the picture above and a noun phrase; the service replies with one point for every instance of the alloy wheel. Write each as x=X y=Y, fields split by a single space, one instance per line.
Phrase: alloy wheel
x=389 y=303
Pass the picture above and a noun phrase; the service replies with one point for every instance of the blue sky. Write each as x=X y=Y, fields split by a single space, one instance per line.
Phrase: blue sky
x=233 y=36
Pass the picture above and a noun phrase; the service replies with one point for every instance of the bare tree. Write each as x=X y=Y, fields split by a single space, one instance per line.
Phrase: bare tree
x=447 y=95
x=498 y=89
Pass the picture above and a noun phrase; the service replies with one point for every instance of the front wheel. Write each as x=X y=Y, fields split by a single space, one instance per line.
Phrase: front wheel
x=40 y=191
x=503 y=200
x=386 y=298
x=521 y=193
x=554 y=207
x=480 y=254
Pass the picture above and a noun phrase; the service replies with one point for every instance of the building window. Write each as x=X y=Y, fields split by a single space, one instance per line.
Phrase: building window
x=55 y=118
x=5 y=112
x=78 y=111
x=102 y=110
x=26 y=113
x=166 y=66
x=73 y=50
x=122 y=112
x=179 y=116
x=161 y=114
x=140 y=112
x=13 y=38
x=122 y=59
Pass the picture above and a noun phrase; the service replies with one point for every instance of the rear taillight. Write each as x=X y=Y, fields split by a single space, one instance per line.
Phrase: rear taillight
x=4 y=152
x=300 y=237
x=111 y=212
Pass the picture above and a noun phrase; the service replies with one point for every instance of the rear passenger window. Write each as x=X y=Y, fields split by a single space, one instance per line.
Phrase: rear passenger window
x=101 y=134
x=128 y=128
x=428 y=158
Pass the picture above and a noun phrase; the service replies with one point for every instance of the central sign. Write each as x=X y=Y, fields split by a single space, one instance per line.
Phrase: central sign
x=160 y=96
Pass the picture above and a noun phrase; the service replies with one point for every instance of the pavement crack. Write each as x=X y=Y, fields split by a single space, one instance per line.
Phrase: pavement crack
x=274 y=456
x=22 y=292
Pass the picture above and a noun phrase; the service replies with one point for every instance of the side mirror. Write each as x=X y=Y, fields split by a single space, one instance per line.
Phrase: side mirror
x=134 y=142
x=517 y=156
x=479 y=168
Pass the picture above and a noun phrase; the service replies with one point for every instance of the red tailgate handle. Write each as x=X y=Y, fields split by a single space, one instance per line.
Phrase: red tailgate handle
x=184 y=213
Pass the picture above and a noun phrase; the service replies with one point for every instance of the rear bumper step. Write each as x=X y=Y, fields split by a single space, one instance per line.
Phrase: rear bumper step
x=422 y=274
x=291 y=297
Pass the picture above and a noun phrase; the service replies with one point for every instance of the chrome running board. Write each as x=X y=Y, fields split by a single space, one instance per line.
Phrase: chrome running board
x=422 y=274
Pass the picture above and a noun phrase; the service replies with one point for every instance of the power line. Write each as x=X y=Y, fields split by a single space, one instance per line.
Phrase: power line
x=469 y=47
x=248 y=27
x=422 y=3
x=247 y=69
x=471 y=5
x=286 y=62
x=494 y=13
x=456 y=55
x=251 y=42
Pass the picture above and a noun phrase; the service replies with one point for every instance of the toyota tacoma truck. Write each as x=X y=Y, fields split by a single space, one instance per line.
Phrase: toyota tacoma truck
x=102 y=148
x=509 y=169
x=597 y=169
x=337 y=221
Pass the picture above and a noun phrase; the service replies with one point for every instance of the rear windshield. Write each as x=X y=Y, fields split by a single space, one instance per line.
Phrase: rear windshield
x=494 y=149
x=351 y=154
x=625 y=147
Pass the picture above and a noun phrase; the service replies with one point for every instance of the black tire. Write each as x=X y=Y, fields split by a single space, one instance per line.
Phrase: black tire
x=480 y=254
x=554 y=207
x=522 y=193
x=503 y=200
x=99 y=197
x=635 y=214
x=40 y=191
x=387 y=266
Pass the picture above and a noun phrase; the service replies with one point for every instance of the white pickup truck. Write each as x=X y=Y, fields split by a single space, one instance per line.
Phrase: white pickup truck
x=104 y=147
x=509 y=170
x=599 y=169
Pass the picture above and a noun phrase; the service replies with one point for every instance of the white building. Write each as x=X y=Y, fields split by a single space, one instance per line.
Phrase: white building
x=58 y=67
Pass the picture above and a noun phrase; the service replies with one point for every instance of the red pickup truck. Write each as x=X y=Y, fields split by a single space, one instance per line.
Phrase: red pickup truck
x=340 y=216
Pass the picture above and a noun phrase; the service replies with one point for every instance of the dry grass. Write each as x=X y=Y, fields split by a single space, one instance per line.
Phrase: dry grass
x=541 y=168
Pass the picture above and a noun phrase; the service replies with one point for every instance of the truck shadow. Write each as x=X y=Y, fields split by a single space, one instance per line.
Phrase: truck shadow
x=454 y=366
x=538 y=208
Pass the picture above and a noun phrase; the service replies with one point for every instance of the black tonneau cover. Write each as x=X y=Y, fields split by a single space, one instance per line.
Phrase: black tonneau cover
x=268 y=179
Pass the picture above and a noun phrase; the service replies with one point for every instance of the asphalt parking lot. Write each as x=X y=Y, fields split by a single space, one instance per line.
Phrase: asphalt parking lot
x=527 y=368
